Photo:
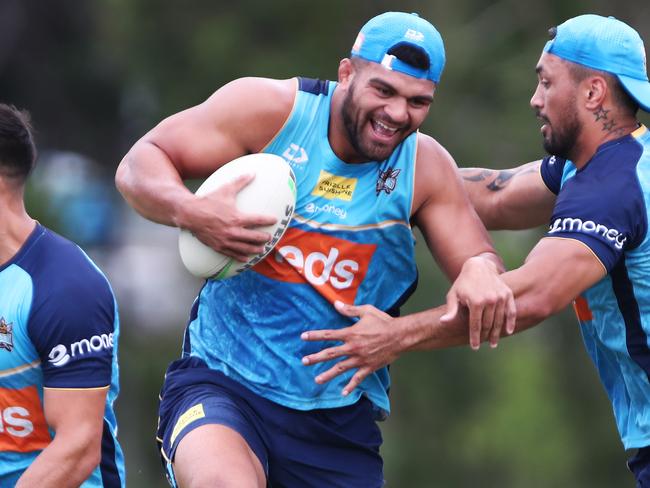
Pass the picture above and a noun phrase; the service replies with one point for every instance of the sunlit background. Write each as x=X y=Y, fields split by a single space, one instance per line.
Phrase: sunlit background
x=96 y=75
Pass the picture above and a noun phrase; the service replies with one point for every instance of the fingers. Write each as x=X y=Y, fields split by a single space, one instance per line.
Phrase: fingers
x=475 y=318
x=321 y=356
x=356 y=380
x=511 y=316
x=243 y=250
x=347 y=310
x=336 y=370
x=322 y=335
x=359 y=310
x=497 y=322
x=343 y=367
x=490 y=320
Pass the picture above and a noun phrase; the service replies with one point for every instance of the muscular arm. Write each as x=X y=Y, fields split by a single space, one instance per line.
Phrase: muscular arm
x=239 y=118
x=444 y=214
x=555 y=272
x=76 y=416
x=514 y=198
x=459 y=242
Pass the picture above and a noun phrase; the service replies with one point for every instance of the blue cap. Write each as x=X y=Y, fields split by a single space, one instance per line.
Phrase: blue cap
x=605 y=44
x=385 y=31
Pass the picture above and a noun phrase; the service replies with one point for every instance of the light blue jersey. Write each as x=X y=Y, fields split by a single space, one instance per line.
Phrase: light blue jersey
x=605 y=205
x=58 y=329
x=350 y=240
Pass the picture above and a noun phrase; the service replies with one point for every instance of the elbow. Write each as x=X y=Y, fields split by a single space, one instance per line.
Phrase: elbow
x=122 y=176
x=493 y=213
x=88 y=457
x=88 y=463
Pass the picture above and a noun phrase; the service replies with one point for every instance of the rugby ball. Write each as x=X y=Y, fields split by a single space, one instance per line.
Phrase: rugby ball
x=272 y=192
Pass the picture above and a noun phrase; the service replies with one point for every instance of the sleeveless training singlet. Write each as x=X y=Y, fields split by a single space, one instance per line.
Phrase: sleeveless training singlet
x=350 y=240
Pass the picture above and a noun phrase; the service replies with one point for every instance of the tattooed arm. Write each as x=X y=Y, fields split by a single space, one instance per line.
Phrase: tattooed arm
x=514 y=198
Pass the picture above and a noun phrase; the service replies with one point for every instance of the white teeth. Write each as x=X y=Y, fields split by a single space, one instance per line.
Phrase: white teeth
x=385 y=127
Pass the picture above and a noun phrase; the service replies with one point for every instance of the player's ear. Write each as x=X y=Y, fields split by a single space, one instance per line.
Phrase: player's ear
x=595 y=89
x=346 y=71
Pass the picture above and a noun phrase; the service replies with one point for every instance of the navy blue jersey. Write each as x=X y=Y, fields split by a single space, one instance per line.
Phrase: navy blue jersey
x=58 y=329
x=605 y=206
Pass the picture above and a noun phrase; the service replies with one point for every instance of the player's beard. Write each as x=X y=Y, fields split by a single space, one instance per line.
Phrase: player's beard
x=354 y=121
x=563 y=135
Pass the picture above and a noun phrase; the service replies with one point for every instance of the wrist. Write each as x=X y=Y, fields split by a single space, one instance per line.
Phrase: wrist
x=182 y=210
x=413 y=331
x=487 y=258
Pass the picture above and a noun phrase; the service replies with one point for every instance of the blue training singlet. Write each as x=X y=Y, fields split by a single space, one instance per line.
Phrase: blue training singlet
x=350 y=240
x=58 y=329
x=605 y=205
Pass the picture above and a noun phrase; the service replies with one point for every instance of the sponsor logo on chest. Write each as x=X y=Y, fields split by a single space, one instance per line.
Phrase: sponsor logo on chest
x=334 y=267
x=331 y=186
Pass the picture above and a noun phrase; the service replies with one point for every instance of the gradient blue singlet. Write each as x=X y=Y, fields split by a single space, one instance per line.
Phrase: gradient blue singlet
x=350 y=240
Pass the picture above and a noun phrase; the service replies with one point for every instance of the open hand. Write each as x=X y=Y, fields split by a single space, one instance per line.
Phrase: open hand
x=368 y=345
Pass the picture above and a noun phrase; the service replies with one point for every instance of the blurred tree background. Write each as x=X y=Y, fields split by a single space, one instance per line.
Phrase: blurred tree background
x=97 y=74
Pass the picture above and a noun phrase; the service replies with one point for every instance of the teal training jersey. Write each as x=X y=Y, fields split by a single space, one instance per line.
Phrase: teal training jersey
x=58 y=329
x=605 y=205
x=350 y=240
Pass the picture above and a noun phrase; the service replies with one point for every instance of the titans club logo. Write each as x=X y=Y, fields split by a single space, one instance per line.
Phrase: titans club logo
x=6 y=335
x=387 y=180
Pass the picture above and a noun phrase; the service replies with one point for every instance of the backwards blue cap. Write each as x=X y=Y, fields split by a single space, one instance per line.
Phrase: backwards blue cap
x=605 y=44
x=385 y=31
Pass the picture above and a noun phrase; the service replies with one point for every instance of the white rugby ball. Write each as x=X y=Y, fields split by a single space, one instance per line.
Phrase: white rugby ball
x=272 y=192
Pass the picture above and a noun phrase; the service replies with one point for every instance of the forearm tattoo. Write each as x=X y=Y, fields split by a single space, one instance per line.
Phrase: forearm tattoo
x=497 y=179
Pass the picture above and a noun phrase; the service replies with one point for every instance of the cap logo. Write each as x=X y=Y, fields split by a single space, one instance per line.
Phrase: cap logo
x=414 y=35
x=358 y=42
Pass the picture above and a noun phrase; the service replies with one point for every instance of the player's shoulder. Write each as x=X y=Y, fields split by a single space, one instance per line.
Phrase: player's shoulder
x=258 y=94
x=58 y=266
x=251 y=110
x=432 y=157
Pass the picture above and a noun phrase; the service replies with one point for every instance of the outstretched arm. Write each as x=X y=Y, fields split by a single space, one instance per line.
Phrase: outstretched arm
x=514 y=198
x=554 y=274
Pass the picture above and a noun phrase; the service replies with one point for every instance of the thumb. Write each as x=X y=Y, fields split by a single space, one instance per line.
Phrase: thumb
x=452 y=308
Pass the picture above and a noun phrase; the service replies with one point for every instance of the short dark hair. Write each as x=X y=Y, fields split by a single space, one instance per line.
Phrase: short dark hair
x=408 y=53
x=619 y=95
x=411 y=55
x=17 y=148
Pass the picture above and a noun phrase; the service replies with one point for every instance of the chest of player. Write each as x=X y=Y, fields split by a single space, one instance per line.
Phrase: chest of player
x=335 y=193
x=16 y=349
